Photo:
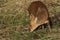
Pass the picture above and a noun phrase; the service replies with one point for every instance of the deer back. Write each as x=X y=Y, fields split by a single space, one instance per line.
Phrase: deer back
x=38 y=14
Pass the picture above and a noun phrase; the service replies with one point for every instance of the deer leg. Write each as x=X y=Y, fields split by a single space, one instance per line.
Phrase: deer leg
x=49 y=26
x=43 y=27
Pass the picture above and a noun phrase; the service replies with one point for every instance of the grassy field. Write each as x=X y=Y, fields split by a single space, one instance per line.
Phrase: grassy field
x=14 y=22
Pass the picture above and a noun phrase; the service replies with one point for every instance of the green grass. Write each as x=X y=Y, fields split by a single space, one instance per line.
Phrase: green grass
x=14 y=24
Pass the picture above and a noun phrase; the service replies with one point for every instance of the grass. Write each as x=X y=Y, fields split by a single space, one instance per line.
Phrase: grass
x=14 y=24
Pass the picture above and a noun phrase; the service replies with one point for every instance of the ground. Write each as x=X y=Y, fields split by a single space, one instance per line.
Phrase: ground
x=14 y=21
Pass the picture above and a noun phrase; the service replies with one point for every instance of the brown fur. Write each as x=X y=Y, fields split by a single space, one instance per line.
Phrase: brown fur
x=38 y=10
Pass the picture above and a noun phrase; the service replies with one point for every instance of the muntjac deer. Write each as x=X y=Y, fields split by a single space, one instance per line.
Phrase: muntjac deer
x=38 y=15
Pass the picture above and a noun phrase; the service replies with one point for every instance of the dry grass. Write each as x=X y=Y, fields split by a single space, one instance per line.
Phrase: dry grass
x=14 y=21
